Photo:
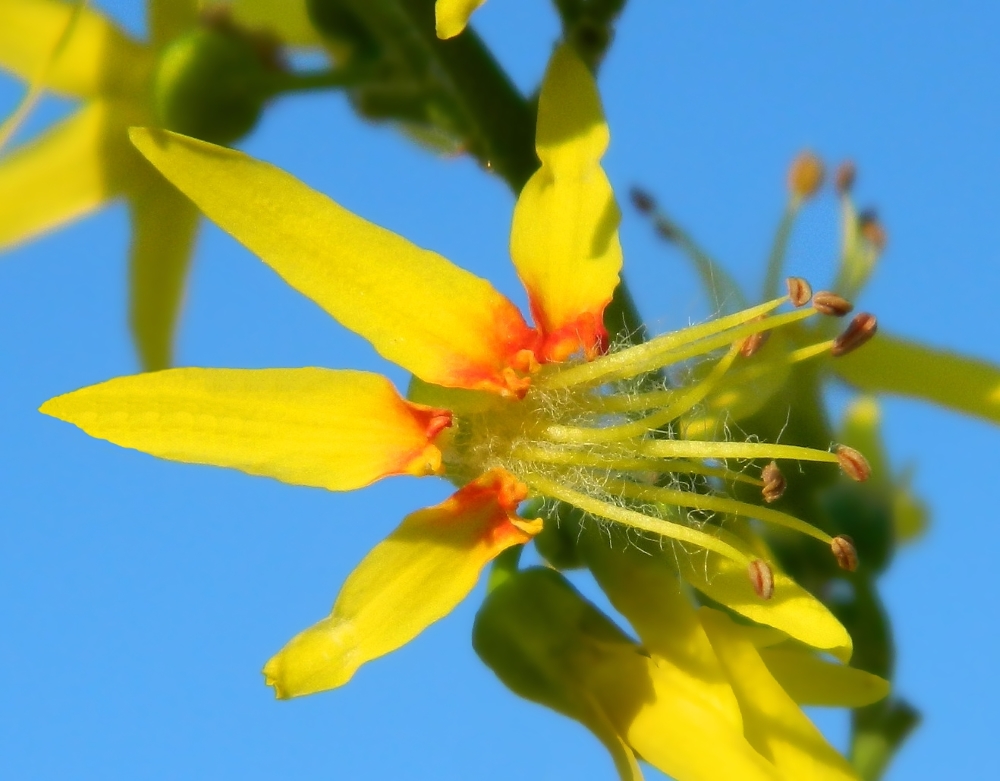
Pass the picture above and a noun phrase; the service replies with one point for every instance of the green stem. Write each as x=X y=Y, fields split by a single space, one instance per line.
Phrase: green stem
x=776 y=260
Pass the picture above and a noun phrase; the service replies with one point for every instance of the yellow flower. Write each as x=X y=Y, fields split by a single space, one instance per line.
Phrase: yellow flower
x=701 y=698
x=86 y=160
x=504 y=409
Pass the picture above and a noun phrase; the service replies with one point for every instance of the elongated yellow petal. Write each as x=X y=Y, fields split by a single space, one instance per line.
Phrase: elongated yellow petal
x=164 y=223
x=167 y=19
x=888 y=364
x=811 y=681
x=337 y=430
x=414 y=577
x=98 y=59
x=564 y=238
x=67 y=172
x=418 y=309
x=773 y=723
x=791 y=609
x=451 y=16
x=288 y=19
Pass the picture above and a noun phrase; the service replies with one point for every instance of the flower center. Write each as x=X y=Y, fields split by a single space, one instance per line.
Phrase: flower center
x=621 y=437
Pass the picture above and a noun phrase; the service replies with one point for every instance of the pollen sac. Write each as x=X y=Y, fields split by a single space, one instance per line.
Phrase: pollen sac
x=853 y=464
x=774 y=482
x=761 y=578
x=845 y=176
x=862 y=328
x=805 y=176
x=753 y=343
x=799 y=291
x=872 y=230
x=827 y=303
x=845 y=552
x=642 y=201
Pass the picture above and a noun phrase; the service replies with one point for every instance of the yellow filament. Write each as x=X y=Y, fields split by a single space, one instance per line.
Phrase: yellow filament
x=718 y=504
x=652 y=422
x=626 y=517
x=614 y=363
x=598 y=460
x=690 y=448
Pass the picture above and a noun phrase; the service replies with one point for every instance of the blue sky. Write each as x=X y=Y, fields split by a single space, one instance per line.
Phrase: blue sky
x=140 y=598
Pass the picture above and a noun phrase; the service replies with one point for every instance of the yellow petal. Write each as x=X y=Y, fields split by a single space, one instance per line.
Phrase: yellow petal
x=67 y=172
x=564 y=238
x=891 y=365
x=164 y=223
x=414 y=577
x=451 y=16
x=287 y=19
x=337 y=430
x=792 y=609
x=773 y=723
x=811 y=681
x=98 y=59
x=443 y=324
x=168 y=19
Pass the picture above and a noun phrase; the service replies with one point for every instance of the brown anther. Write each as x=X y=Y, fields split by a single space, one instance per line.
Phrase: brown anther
x=853 y=464
x=872 y=229
x=861 y=329
x=828 y=303
x=847 y=555
x=845 y=176
x=799 y=291
x=762 y=578
x=774 y=482
x=753 y=343
x=641 y=200
x=805 y=176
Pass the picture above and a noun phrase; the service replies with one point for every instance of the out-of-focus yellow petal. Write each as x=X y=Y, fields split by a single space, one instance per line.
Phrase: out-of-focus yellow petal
x=98 y=59
x=288 y=19
x=792 y=609
x=773 y=723
x=164 y=223
x=66 y=172
x=549 y=645
x=414 y=577
x=891 y=365
x=564 y=238
x=811 y=681
x=444 y=324
x=337 y=430
x=167 y=19
x=451 y=16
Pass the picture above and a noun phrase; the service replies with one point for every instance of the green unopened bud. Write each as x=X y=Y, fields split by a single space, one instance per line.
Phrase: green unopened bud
x=210 y=84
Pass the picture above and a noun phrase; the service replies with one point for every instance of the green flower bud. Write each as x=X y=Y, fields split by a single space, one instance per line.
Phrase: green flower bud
x=210 y=84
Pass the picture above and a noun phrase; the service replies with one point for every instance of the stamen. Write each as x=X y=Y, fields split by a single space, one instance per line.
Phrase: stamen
x=753 y=343
x=622 y=515
x=717 y=504
x=558 y=455
x=828 y=303
x=649 y=355
x=861 y=329
x=774 y=482
x=692 y=448
x=762 y=578
x=847 y=555
x=799 y=291
x=652 y=422
x=853 y=464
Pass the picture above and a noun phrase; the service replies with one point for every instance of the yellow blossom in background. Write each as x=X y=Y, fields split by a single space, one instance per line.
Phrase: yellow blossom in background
x=508 y=412
x=85 y=160
x=451 y=16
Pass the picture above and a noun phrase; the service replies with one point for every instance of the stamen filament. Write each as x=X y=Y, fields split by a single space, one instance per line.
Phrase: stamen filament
x=626 y=517
x=654 y=421
x=566 y=457
x=691 y=448
x=650 y=361
x=607 y=365
x=719 y=504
